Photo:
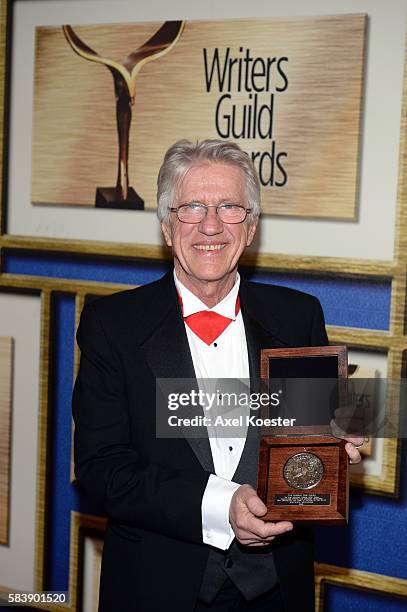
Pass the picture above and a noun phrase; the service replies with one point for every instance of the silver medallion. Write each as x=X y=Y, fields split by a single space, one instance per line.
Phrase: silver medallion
x=303 y=471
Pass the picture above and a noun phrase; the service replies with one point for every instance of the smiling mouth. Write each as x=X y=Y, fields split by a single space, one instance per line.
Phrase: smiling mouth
x=209 y=247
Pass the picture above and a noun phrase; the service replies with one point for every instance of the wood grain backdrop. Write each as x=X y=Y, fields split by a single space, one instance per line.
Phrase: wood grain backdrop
x=316 y=118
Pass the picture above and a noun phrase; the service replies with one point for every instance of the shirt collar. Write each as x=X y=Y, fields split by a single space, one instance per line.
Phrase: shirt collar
x=192 y=304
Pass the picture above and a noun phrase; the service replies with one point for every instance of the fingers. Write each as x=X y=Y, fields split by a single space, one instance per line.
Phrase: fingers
x=352 y=442
x=252 y=531
x=336 y=430
x=262 y=529
x=246 y=508
x=255 y=505
x=355 y=440
x=250 y=539
x=352 y=450
x=353 y=453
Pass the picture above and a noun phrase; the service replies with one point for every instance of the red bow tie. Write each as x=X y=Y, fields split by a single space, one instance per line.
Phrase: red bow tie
x=209 y=325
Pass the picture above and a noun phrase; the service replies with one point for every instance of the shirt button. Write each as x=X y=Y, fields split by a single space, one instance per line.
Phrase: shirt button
x=228 y=563
x=230 y=448
x=215 y=344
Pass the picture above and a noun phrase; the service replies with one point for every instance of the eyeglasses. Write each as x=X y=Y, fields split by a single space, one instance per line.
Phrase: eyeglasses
x=193 y=212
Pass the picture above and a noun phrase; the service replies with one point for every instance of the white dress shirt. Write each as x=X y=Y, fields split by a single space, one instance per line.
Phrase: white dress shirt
x=226 y=357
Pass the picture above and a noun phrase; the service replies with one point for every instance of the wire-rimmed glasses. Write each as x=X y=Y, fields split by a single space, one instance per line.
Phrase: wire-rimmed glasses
x=194 y=212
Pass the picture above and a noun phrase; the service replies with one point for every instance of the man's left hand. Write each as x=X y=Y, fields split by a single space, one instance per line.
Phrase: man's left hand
x=339 y=431
x=352 y=450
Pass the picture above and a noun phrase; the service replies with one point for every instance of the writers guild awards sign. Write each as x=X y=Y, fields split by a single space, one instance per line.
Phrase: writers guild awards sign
x=303 y=469
x=124 y=77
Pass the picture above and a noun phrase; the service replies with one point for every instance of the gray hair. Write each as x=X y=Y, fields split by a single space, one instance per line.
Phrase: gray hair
x=183 y=155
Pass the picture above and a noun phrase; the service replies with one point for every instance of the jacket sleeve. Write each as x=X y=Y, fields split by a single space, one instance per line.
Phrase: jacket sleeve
x=107 y=465
x=318 y=335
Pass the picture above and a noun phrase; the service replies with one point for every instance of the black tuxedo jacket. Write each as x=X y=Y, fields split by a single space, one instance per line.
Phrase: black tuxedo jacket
x=151 y=489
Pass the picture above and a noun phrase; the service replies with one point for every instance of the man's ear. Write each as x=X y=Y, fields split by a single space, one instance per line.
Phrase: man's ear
x=251 y=232
x=166 y=230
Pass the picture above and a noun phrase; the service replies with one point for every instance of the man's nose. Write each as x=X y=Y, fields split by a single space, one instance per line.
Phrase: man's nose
x=211 y=224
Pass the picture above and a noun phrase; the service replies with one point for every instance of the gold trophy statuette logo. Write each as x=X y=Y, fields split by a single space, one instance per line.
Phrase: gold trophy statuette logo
x=124 y=77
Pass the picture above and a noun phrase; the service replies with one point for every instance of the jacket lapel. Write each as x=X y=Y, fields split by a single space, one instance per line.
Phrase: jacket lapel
x=258 y=334
x=167 y=352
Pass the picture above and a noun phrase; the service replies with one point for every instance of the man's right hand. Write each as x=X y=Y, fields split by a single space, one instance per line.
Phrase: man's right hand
x=246 y=510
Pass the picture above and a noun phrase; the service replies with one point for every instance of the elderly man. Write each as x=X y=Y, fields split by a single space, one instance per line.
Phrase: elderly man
x=184 y=526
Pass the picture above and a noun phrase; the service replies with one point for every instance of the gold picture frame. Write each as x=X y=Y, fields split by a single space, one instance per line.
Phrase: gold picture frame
x=348 y=578
x=6 y=369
